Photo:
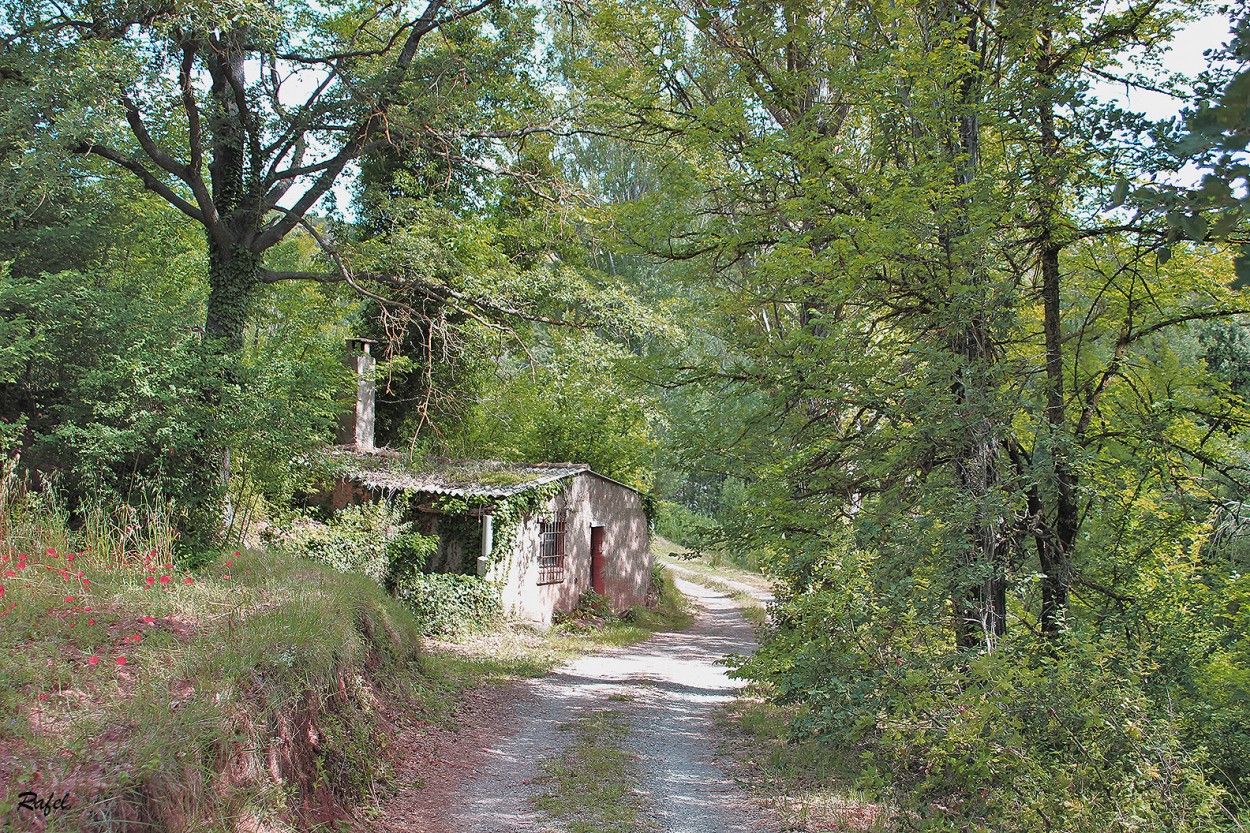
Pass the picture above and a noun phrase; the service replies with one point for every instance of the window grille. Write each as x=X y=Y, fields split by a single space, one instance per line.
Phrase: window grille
x=551 y=551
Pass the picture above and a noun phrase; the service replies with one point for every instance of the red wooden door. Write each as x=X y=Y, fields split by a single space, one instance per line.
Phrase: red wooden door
x=597 y=560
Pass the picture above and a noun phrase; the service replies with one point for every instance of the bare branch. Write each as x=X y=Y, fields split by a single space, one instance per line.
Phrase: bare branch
x=149 y=179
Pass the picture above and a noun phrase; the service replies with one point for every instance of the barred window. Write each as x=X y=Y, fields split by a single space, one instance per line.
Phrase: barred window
x=551 y=551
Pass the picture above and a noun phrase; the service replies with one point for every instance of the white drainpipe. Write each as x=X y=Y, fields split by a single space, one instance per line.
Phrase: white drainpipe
x=488 y=545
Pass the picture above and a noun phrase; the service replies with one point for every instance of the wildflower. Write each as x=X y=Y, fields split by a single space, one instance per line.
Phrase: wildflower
x=9 y=574
x=121 y=660
x=90 y=621
x=226 y=577
x=148 y=580
x=188 y=580
x=148 y=620
x=69 y=556
x=86 y=582
x=69 y=599
x=43 y=697
x=236 y=553
x=164 y=580
x=51 y=552
x=229 y=563
x=93 y=661
x=138 y=637
x=169 y=566
x=1 y=589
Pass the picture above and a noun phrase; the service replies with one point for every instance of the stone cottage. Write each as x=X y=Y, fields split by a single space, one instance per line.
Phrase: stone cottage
x=542 y=533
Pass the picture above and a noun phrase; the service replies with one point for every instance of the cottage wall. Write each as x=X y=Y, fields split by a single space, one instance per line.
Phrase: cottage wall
x=588 y=501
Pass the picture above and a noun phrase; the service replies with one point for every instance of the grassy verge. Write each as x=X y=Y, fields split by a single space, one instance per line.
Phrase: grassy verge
x=593 y=786
x=247 y=693
x=806 y=783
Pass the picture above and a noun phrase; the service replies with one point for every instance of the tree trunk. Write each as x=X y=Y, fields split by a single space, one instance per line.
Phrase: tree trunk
x=980 y=581
x=1054 y=541
x=233 y=275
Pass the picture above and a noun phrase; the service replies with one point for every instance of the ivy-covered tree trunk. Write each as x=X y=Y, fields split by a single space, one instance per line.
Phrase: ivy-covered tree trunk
x=234 y=268
x=980 y=572
x=1056 y=534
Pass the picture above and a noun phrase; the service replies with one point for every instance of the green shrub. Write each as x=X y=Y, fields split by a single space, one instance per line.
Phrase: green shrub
x=447 y=603
x=1082 y=733
x=684 y=526
x=356 y=540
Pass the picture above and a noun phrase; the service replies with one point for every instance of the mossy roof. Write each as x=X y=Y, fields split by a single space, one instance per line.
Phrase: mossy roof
x=392 y=472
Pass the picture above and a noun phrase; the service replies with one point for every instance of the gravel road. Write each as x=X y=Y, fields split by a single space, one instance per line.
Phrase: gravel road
x=674 y=683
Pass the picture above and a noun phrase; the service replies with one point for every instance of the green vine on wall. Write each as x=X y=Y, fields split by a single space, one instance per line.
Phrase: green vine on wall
x=508 y=515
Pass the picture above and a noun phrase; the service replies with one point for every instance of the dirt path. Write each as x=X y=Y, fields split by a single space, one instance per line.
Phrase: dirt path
x=759 y=589
x=667 y=687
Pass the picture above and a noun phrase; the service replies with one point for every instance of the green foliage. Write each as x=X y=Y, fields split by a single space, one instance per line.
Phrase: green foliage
x=358 y=539
x=683 y=526
x=576 y=405
x=1088 y=733
x=449 y=604
x=375 y=540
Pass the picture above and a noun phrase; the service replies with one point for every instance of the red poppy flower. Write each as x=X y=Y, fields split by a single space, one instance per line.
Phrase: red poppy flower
x=90 y=621
x=147 y=620
x=236 y=553
x=69 y=557
x=51 y=552
x=86 y=582
x=229 y=563
x=43 y=697
x=226 y=577
x=188 y=580
x=1 y=589
x=148 y=580
x=164 y=579
x=93 y=661
x=138 y=637
x=69 y=599
x=9 y=574
x=121 y=660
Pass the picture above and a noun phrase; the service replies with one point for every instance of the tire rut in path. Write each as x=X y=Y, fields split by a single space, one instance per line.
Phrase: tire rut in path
x=673 y=684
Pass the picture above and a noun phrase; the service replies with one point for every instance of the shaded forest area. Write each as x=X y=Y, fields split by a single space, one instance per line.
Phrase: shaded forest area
x=890 y=299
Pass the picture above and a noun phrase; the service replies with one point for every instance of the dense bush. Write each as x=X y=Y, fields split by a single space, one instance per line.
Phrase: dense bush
x=683 y=526
x=1139 y=728
x=356 y=540
x=448 y=603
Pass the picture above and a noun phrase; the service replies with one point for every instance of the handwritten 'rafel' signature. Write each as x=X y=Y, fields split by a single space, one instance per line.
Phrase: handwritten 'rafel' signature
x=33 y=802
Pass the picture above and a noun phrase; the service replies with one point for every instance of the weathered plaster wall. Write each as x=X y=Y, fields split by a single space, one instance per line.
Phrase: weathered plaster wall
x=590 y=501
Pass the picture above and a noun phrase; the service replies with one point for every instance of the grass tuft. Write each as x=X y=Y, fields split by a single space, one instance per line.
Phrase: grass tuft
x=592 y=787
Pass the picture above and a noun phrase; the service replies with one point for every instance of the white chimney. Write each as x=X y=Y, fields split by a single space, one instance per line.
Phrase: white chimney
x=356 y=429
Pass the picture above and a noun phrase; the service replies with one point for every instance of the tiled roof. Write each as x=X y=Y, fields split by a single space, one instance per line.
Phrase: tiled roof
x=392 y=472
